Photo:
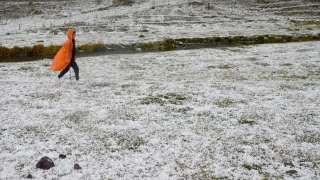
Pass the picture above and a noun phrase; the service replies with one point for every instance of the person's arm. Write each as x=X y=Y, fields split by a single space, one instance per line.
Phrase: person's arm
x=69 y=51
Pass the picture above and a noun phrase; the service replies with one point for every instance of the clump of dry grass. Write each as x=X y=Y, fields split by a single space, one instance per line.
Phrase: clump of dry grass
x=123 y=2
x=92 y=47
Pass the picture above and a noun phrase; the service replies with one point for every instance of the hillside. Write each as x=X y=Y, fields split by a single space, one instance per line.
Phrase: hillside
x=38 y=22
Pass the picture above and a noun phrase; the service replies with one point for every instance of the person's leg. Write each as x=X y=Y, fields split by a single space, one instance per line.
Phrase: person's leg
x=75 y=67
x=63 y=72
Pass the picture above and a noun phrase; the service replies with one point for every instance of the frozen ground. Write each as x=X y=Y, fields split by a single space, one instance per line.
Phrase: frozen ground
x=235 y=113
x=231 y=113
x=102 y=21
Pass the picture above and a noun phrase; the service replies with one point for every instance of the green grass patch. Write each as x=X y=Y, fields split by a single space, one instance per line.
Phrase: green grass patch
x=165 y=45
x=52 y=49
x=40 y=49
x=123 y=2
x=35 y=50
x=148 y=46
x=89 y=48
x=309 y=23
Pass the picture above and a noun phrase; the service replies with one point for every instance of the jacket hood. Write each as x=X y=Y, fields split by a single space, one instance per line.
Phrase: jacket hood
x=70 y=33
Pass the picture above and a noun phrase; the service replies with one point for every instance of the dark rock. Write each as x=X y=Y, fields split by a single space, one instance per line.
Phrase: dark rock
x=29 y=176
x=76 y=167
x=291 y=172
x=62 y=156
x=45 y=163
x=142 y=36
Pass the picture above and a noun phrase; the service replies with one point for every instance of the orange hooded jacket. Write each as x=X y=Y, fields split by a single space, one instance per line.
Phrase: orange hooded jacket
x=64 y=55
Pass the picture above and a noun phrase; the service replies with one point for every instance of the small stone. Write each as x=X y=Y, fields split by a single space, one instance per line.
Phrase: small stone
x=62 y=156
x=45 y=163
x=76 y=167
x=29 y=176
x=142 y=36
x=291 y=172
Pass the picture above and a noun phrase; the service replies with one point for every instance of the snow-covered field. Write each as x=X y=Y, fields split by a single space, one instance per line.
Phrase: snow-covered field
x=101 y=21
x=248 y=112
x=231 y=113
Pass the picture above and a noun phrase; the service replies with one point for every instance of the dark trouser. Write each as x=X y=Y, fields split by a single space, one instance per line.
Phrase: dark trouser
x=75 y=67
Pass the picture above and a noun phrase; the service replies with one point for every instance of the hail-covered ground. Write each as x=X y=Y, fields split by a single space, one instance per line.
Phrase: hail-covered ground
x=235 y=113
x=248 y=112
x=104 y=21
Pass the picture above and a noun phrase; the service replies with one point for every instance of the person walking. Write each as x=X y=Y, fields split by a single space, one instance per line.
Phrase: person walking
x=66 y=57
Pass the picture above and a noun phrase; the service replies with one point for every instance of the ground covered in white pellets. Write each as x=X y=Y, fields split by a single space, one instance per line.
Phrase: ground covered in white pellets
x=235 y=113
